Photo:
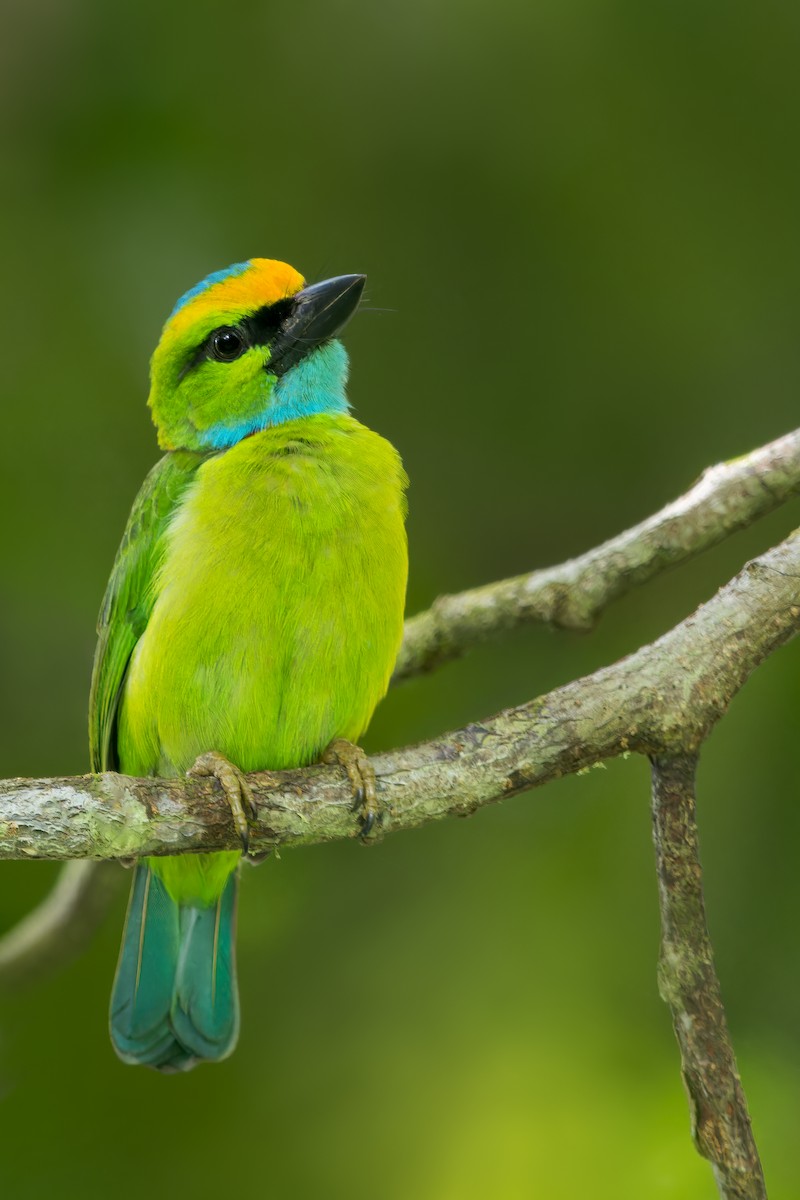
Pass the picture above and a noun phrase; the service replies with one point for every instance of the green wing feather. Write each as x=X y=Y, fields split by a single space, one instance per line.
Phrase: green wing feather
x=175 y=999
x=131 y=594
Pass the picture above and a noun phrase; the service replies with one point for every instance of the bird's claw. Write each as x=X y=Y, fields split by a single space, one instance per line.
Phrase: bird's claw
x=361 y=774
x=237 y=791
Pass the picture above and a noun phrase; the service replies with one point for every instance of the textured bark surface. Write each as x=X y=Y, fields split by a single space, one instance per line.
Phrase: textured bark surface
x=662 y=700
x=689 y=986
x=725 y=498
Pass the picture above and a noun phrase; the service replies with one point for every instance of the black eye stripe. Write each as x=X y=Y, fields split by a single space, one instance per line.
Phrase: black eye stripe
x=264 y=324
x=257 y=330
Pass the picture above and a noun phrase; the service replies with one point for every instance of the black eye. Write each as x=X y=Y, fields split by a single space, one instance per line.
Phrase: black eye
x=227 y=344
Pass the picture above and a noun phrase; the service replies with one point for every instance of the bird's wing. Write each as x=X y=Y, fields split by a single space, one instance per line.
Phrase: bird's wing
x=131 y=594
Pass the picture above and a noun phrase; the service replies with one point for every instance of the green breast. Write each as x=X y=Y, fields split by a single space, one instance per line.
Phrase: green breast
x=279 y=603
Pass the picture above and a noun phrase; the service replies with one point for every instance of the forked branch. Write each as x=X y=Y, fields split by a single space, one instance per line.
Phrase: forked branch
x=661 y=701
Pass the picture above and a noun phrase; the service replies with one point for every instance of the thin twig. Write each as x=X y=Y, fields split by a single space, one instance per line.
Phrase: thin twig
x=727 y=497
x=688 y=983
x=62 y=925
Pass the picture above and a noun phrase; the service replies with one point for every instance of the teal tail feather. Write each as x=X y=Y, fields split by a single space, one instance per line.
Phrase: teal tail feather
x=175 y=1000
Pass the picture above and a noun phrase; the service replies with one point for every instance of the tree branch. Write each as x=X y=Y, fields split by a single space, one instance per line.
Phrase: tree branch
x=725 y=498
x=55 y=932
x=659 y=701
x=688 y=984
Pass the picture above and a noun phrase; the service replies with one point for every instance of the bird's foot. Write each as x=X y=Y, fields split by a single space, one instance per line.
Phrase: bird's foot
x=237 y=791
x=361 y=774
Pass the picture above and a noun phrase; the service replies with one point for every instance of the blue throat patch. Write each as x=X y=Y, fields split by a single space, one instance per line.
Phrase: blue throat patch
x=315 y=385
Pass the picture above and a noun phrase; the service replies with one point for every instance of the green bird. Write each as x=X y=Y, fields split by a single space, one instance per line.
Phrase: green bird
x=252 y=618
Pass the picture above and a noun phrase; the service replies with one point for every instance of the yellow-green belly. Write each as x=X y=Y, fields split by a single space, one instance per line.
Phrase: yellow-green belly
x=279 y=603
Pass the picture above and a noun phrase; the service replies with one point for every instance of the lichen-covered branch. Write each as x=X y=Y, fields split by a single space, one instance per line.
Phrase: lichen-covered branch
x=660 y=701
x=725 y=498
x=689 y=986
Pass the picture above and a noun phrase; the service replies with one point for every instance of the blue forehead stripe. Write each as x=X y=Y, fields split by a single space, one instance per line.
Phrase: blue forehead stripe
x=209 y=281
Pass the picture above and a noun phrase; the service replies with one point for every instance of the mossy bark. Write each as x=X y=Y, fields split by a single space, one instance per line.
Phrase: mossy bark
x=663 y=700
x=689 y=985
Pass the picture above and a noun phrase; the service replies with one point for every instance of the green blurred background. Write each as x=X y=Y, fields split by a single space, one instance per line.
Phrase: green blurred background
x=582 y=216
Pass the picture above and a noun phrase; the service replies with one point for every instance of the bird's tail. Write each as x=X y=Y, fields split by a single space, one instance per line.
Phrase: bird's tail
x=175 y=1000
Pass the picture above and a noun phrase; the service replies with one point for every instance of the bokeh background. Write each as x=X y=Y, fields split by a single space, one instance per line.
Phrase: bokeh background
x=580 y=223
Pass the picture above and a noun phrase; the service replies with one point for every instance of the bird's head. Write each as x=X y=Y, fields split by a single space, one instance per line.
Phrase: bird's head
x=249 y=347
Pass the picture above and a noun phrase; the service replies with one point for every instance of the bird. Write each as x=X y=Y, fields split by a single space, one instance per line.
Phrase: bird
x=252 y=617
